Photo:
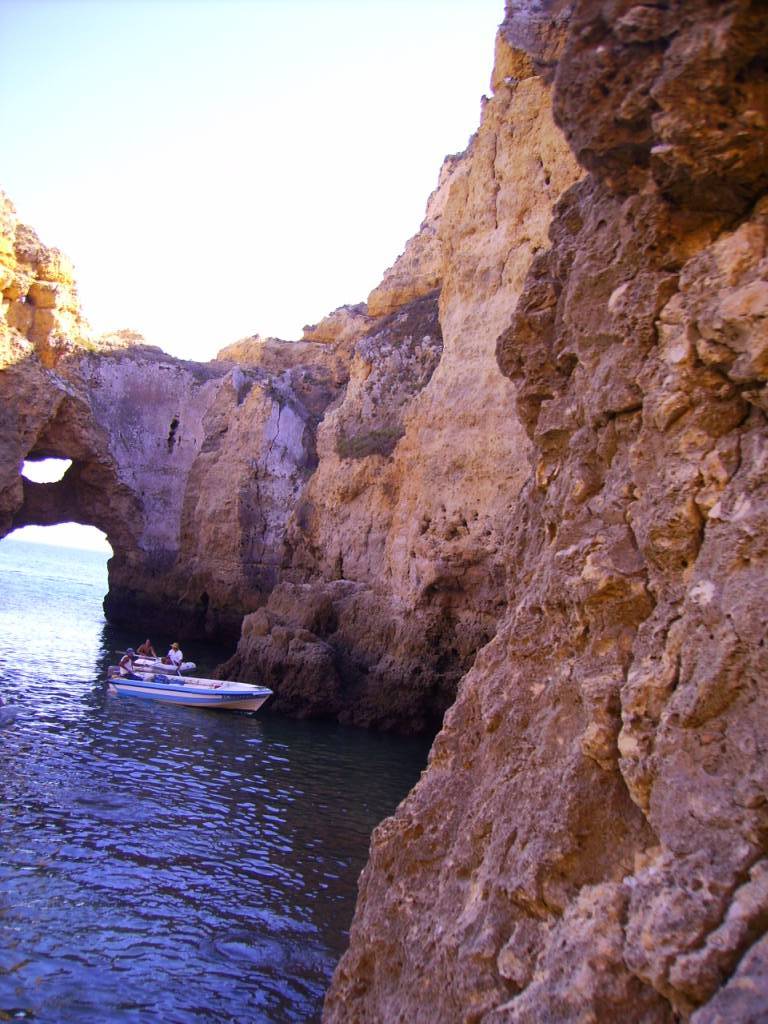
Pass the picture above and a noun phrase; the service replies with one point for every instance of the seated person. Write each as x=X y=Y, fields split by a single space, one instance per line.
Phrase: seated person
x=126 y=662
x=146 y=650
x=174 y=657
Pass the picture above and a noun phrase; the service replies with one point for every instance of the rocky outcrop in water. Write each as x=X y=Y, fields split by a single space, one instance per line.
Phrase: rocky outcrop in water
x=589 y=841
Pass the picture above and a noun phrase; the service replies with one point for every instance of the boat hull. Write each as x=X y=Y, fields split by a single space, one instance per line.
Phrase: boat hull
x=198 y=693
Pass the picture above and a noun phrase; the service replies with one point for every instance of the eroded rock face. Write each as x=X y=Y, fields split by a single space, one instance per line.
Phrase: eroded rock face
x=589 y=840
x=422 y=457
x=535 y=459
x=219 y=454
x=192 y=470
x=637 y=82
x=362 y=660
x=40 y=309
x=41 y=325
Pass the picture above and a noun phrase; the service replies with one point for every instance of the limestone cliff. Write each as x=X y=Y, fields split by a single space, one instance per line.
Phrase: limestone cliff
x=396 y=571
x=589 y=840
x=366 y=470
x=531 y=469
x=192 y=470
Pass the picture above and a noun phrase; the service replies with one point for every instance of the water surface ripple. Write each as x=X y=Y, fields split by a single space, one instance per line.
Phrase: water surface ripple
x=161 y=863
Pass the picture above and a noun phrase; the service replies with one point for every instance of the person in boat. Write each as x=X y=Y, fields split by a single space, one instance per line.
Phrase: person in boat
x=146 y=650
x=126 y=662
x=174 y=656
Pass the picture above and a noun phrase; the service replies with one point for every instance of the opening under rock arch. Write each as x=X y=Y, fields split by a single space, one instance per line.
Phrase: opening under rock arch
x=65 y=535
x=53 y=580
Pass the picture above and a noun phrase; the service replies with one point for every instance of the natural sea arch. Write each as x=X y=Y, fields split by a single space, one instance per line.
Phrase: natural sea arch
x=71 y=496
x=147 y=439
x=65 y=534
x=61 y=491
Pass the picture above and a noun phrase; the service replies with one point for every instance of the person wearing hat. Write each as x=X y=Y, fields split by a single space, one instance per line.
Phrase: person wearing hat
x=126 y=662
x=174 y=656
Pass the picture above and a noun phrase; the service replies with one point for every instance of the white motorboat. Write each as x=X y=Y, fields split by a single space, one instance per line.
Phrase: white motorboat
x=191 y=692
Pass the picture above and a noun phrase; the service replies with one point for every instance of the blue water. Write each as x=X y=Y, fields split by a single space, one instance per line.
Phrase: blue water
x=160 y=863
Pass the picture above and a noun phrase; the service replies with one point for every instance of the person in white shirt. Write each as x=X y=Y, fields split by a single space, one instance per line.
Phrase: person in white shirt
x=174 y=656
x=126 y=662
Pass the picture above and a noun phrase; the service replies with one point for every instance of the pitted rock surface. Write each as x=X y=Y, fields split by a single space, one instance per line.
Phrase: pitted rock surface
x=589 y=840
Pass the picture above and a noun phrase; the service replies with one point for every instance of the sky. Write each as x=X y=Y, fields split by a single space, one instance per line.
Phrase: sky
x=220 y=168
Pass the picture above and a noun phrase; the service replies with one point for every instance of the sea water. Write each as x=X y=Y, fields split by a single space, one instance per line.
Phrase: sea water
x=160 y=863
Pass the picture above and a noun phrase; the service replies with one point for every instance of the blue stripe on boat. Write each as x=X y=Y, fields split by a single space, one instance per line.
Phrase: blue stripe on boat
x=171 y=698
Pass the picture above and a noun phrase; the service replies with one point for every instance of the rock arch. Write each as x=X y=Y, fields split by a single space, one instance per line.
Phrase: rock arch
x=190 y=469
x=89 y=492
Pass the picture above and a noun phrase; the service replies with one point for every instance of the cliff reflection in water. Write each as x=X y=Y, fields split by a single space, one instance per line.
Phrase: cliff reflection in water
x=161 y=862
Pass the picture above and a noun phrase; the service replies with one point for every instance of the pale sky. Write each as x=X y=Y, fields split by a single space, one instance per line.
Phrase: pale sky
x=220 y=168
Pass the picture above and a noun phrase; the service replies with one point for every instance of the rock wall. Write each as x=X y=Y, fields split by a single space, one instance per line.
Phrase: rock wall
x=366 y=470
x=191 y=469
x=531 y=467
x=589 y=840
x=399 y=534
